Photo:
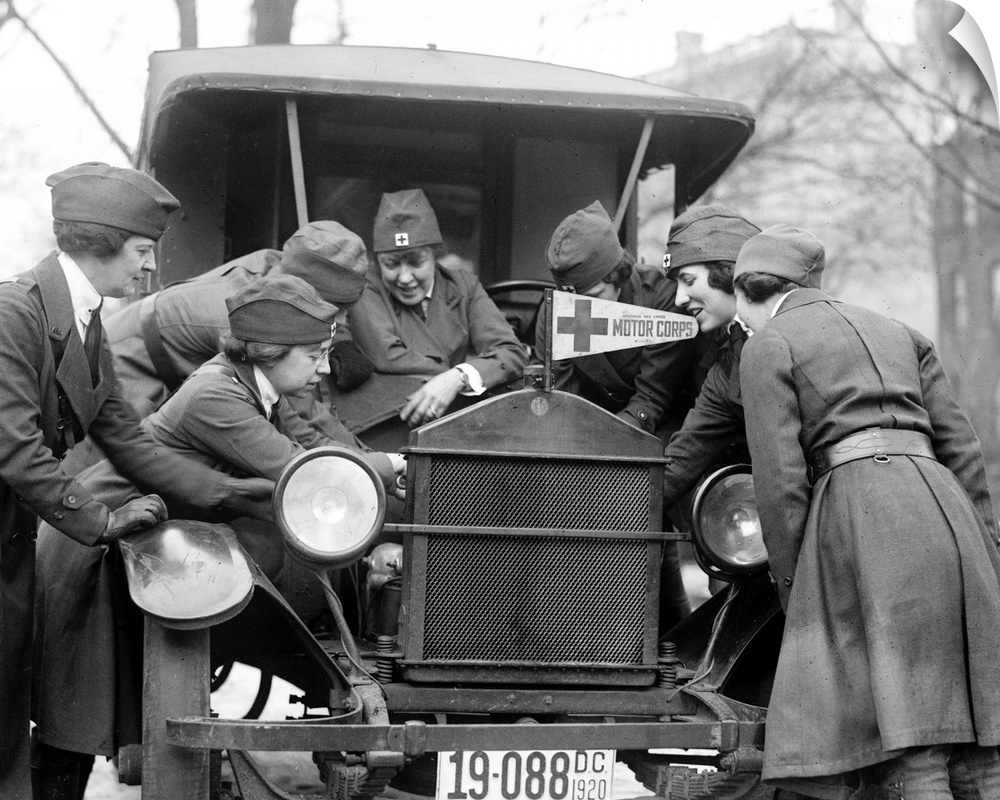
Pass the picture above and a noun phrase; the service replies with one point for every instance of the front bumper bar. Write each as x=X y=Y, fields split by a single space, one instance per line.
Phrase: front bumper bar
x=415 y=738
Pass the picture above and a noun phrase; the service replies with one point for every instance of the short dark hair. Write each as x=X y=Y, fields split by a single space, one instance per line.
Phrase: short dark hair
x=100 y=241
x=759 y=286
x=720 y=274
x=258 y=354
x=619 y=276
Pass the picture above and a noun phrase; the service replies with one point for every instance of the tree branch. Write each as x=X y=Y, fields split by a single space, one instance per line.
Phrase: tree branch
x=126 y=150
x=936 y=98
x=981 y=191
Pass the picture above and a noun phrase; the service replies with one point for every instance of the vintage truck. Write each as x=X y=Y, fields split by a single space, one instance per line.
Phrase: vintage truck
x=502 y=640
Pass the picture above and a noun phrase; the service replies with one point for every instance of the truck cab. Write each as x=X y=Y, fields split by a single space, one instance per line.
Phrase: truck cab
x=255 y=141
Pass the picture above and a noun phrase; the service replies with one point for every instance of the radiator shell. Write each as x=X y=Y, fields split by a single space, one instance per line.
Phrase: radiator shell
x=533 y=549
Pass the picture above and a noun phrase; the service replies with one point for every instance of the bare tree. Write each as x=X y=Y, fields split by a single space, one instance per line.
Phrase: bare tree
x=187 y=12
x=6 y=13
x=271 y=21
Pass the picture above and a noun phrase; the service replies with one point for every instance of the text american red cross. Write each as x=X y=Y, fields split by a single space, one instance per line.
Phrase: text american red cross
x=582 y=325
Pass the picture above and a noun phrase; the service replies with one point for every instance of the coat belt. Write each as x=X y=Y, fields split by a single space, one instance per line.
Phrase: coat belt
x=876 y=443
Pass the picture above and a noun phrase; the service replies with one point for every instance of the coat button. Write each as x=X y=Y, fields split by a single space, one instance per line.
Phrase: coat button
x=71 y=499
x=58 y=515
x=787 y=581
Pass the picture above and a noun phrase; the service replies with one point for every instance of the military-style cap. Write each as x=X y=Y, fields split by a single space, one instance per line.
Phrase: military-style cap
x=584 y=248
x=705 y=234
x=280 y=309
x=405 y=219
x=330 y=258
x=785 y=252
x=122 y=198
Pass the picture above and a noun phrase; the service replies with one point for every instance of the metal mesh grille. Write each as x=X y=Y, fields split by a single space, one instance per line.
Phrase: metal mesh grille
x=486 y=492
x=537 y=599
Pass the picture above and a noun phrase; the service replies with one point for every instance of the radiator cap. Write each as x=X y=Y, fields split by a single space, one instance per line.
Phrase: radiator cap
x=329 y=504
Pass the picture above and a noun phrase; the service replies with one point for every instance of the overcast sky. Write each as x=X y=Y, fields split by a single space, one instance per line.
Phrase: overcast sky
x=107 y=42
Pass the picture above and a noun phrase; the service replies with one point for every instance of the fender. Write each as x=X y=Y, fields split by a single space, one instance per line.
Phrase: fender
x=187 y=575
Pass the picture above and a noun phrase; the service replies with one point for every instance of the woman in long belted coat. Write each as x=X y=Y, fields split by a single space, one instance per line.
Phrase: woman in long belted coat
x=881 y=536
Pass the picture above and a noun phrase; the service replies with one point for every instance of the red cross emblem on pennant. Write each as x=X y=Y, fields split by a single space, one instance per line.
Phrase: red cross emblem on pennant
x=582 y=325
x=402 y=239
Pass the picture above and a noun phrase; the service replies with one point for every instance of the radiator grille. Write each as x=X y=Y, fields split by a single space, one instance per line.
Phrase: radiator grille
x=538 y=493
x=536 y=599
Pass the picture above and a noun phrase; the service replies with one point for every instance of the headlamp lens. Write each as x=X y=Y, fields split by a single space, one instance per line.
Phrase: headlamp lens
x=725 y=522
x=329 y=505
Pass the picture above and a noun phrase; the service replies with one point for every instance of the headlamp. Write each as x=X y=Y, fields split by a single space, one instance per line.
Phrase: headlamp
x=725 y=524
x=329 y=504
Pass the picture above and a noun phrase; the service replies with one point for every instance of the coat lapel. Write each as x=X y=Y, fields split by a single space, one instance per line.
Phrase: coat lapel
x=73 y=371
x=246 y=376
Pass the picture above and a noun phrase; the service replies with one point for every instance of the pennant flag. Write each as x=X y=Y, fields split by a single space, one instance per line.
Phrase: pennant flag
x=583 y=326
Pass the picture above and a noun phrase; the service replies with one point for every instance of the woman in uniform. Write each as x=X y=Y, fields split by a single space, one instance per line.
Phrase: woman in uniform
x=649 y=387
x=882 y=541
x=418 y=317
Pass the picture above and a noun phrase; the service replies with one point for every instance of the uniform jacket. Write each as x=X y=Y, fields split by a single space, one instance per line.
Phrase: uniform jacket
x=462 y=326
x=644 y=385
x=889 y=572
x=713 y=427
x=217 y=418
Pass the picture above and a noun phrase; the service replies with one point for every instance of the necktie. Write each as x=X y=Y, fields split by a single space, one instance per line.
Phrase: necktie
x=92 y=343
x=737 y=337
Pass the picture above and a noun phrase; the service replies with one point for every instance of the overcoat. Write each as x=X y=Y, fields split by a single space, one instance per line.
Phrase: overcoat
x=650 y=387
x=462 y=325
x=38 y=323
x=216 y=418
x=189 y=319
x=888 y=572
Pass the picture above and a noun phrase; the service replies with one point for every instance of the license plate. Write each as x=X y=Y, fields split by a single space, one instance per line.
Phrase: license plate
x=525 y=775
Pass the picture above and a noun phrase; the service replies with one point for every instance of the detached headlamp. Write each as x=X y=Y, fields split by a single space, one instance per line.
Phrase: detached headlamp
x=725 y=524
x=329 y=505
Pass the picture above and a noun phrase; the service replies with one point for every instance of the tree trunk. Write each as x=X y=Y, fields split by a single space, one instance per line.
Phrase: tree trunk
x=272 y=21
x=187 y=11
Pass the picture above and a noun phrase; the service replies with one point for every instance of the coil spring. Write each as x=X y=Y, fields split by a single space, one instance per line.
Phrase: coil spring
x=667 y=661
x=384 y=662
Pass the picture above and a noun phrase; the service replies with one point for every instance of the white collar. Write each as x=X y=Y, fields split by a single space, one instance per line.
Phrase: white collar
x=268 y=394
x=84 y=297
x=778 y=304
x=738 y=321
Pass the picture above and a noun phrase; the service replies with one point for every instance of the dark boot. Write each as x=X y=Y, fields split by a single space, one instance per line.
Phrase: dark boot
x=59 y=774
